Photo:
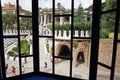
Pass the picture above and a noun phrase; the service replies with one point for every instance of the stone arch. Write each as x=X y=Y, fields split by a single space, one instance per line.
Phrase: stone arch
x=64 y=51
x=80 y=57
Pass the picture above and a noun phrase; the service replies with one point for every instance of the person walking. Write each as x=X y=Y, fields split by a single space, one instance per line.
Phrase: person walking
x=45 y=65
x=23 y=69
x=6 y=67
x=13 y=70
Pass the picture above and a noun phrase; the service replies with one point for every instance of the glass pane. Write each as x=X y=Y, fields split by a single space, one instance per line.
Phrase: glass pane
x=45 y=55
x=25 y=26
x=82 y=19
x=9 y=17
x=62 y=67
x=26 y=46
x=11 y=57
x=106 y=38
x=62 y=7
x=62 y=30
x=117 y=65
x=26 y=36
x=62 y=48
x=27 y=65
x=25 y=7
x=108 y=5
x=45 y=17
x=81 y=58
x=103 y=73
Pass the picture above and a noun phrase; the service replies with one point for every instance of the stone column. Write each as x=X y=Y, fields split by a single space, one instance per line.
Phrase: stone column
x=70 y=20
x=48 y=17
x=61 y=18
x=41 y=19
x=44 y=20
x=51 y=18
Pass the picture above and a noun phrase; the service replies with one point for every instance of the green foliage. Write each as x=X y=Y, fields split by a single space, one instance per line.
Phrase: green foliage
x=28 y=13
x=50 y=26
x=82 y=25
x=110 y=4
x=79 y=25
x=60 y=27
x=79 y=14
x=10 y=53
x=104 y=33
x=75 y=43
x=25 y=48
x=88 y=25
x=25 y=23
x=9 y=20
x=15 y=49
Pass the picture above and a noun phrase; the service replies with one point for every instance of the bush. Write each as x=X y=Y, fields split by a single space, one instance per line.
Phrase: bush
x=75 y=43
x=10 y=53
x=104 y=33
x=25 y=48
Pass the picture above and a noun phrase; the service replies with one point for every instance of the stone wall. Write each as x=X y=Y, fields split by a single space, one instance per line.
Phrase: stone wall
x=105 y=53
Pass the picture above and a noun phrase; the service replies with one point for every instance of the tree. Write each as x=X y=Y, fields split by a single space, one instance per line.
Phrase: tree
x=79 y=14
x=109 y=19
x=25 y=48
x=9 y=20
x=110 y=4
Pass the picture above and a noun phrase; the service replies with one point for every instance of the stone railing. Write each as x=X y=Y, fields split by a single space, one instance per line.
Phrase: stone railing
x=65 y=34
x=15 y=32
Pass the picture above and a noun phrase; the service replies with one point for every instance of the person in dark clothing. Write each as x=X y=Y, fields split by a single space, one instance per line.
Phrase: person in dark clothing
x=6 y=67
x=45 y=65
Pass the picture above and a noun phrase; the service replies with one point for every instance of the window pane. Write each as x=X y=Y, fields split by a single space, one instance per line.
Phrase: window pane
x=117 y=65
x=103 y=73
x=45 y=17
x=62 y=30
x=81 y=58
x=82 y=19
x=9 y=17
x=25 y=7
x=25 y=26
x=27 y=65
x=11 y=57
x=62 y=67
x=108 y=5
x=45 y=55
x=61 y=8
x=26 y=36
x=26 y=46
x=106 y=38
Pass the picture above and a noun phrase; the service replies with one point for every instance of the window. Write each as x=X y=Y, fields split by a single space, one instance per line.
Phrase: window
x=48 y=37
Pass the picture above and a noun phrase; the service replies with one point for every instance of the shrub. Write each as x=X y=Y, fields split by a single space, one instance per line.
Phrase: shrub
x=75 y=43
x=10 y=53
x=104 y=33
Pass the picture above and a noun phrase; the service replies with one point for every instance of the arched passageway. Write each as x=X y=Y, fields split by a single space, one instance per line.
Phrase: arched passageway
x=80 y=57
x=64 y=51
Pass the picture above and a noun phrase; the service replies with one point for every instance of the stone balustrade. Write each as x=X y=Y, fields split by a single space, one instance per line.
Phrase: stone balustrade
x=65 y=34
x=15 y=32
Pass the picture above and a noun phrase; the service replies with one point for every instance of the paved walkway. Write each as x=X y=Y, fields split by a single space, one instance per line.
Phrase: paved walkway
x=61 y=68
